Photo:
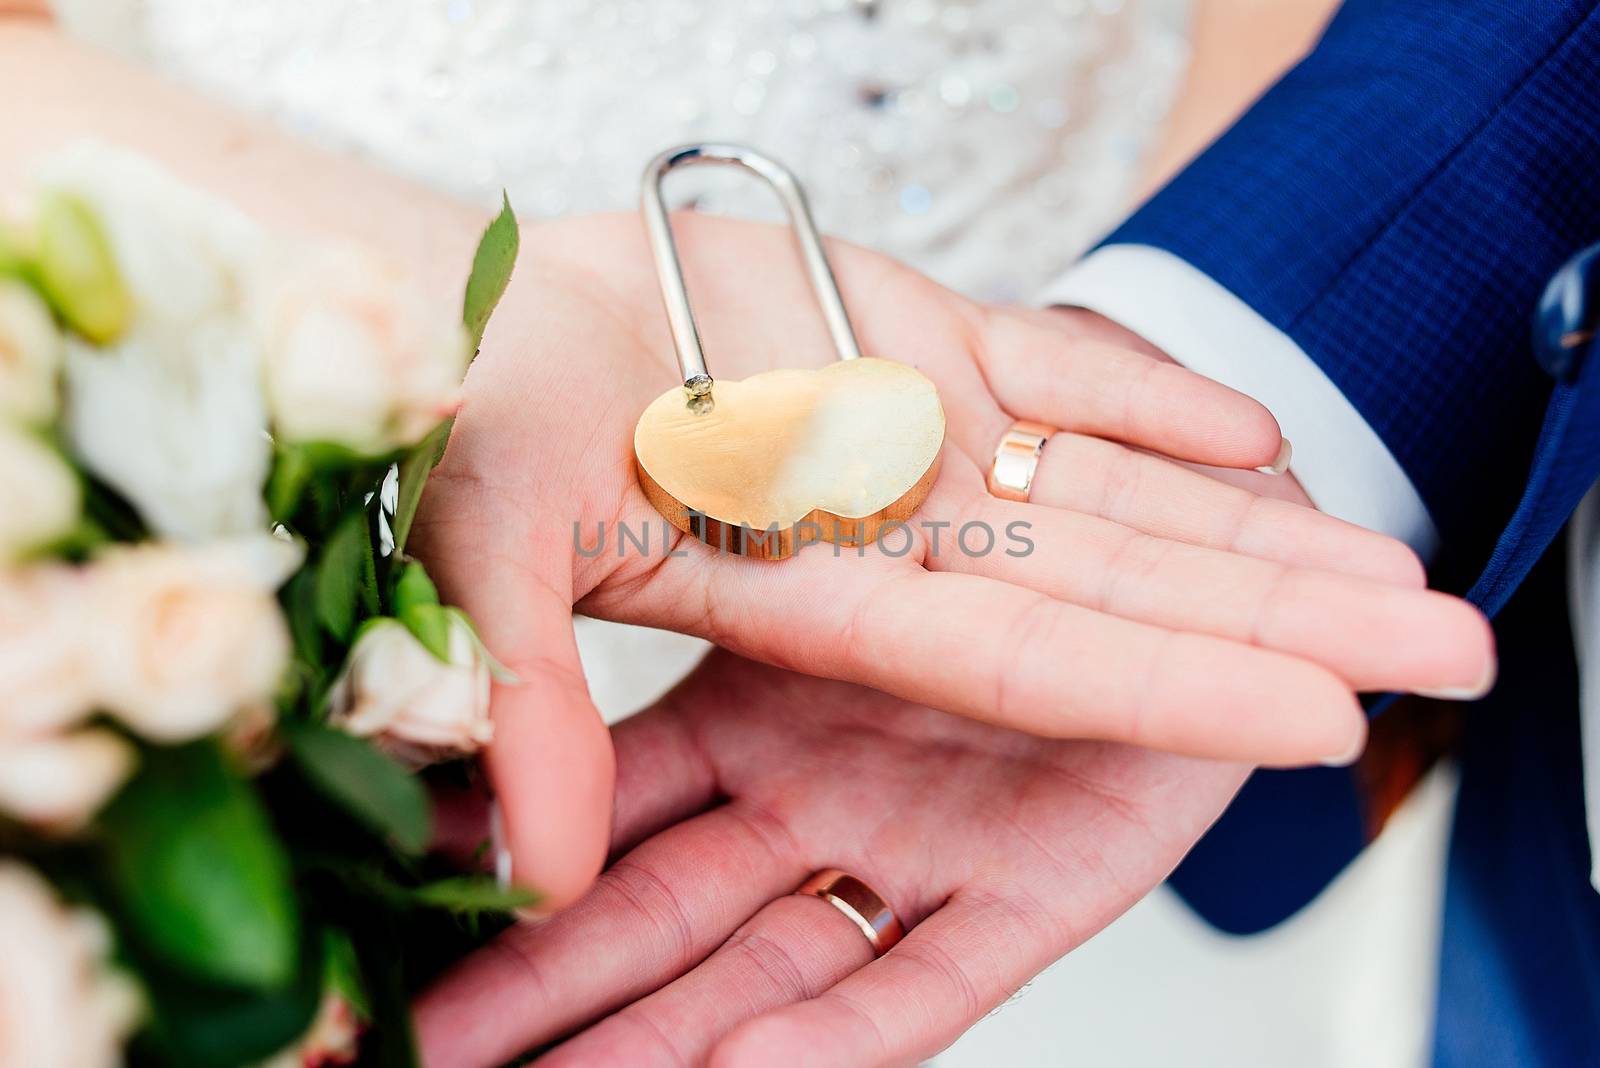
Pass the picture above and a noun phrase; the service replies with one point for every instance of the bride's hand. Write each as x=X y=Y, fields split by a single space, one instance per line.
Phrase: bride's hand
x=1000 y=852
x=1159 y=606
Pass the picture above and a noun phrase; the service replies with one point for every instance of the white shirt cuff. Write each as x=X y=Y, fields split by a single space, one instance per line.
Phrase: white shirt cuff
x=1341 y=462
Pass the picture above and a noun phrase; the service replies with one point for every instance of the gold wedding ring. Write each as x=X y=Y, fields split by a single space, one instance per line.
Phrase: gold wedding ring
x=1016 y=459
x=860 y=903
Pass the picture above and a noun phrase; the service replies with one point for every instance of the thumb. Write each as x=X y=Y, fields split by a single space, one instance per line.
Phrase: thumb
x=550 y=762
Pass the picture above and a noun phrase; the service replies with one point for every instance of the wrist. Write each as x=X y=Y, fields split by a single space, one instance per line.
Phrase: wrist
x=38 y=9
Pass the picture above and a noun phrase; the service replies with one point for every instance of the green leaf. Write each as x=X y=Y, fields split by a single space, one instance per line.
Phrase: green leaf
x=370 y=786
x=300 y=605
x=200 y=1024
x=347 y=577
x=14 y=254
x=111 y=512
x=491 y=270
x=199 y=871
x=77 y=271
x=430 y=625
x=292 y=469
x=76 y=544
x=314 y=483
x=473 y=893
x=343 y=972
x=414 y=587
x=497 y=671
x=414 y=471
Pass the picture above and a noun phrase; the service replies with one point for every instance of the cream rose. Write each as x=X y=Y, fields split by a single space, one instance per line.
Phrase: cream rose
x=30 y=356
x=45 y=684
x=50 y=775
x=355 y=352
x=415 y=706
x=188 y=637
x=58 y=782
x=61 y=1006
x=40 y=494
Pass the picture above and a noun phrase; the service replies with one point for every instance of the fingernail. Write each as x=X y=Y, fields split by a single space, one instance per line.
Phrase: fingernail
x=1465 y=693
x=497 y=840
x=1281 y=464
x=1351 y=755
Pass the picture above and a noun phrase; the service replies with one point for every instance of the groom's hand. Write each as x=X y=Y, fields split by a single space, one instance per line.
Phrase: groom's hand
x=1157 y=606
x=1083 y=325
x=1000 y=852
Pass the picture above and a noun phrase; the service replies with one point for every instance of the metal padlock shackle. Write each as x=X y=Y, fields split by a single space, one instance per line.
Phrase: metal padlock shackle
x=680 y=316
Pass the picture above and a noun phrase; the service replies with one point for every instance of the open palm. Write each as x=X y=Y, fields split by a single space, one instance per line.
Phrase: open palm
x=1004 y=850
x=1159 y=606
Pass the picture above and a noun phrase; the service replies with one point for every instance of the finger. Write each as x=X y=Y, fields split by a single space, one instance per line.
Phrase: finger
x=663 y=774
x=652 y=916
x=792 y=950
x=949 y=971
x=550 y=761
x=1090 y=474
x=1017 y=658
x=1374 y=635
x=1098 y=477
x=1039 y=373
x=662 y=779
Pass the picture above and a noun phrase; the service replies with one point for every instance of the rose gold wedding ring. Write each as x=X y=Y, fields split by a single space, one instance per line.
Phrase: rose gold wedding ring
x=860 y=903
x=1016 y=458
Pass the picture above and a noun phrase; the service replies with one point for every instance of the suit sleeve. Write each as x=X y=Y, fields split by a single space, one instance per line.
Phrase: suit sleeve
x=1395 y=206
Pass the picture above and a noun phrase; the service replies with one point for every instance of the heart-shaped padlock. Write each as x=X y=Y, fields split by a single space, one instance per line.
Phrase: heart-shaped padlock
x=765 y=465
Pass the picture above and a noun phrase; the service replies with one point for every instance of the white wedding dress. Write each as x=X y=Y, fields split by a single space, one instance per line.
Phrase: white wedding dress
x=983 y=142
x=986 y=142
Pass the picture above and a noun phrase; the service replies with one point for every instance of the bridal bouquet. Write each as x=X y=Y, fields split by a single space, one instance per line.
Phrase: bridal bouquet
x=218 y=666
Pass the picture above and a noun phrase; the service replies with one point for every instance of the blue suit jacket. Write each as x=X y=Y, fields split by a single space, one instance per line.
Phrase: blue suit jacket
x=1396 y=205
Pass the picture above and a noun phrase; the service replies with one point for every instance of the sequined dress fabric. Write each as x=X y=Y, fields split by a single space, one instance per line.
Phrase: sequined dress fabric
x=986 y=142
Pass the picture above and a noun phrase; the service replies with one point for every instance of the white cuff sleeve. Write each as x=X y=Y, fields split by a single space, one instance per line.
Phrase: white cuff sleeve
x=1343 y=465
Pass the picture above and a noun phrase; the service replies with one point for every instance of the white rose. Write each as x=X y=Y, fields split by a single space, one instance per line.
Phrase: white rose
x=177 y=424
x=415 y=706
x=39 y=494
x=45 y=682
x=61 y=1006
x=189 y=637
x=30 y=356
x=171 y=413
x=59 y=781
x=355 y=353
x=183 y=254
